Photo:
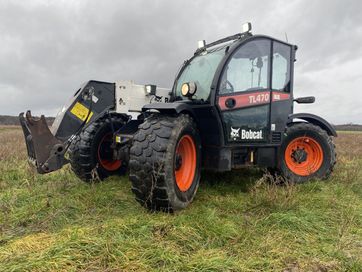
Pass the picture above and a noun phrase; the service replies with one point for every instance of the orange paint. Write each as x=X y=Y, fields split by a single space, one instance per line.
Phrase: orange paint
x=106 y=163
x=186 y=150
x=314 y=158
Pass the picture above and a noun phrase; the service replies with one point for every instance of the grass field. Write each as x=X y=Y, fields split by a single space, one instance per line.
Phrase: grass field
x=237 y=222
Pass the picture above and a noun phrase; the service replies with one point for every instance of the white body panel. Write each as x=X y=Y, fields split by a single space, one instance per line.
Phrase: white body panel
x=130 y=97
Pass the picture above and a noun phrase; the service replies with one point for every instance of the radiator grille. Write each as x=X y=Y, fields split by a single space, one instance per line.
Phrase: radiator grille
x=276 y=137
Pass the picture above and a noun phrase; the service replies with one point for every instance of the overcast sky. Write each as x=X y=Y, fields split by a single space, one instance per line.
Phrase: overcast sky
x=48 y=48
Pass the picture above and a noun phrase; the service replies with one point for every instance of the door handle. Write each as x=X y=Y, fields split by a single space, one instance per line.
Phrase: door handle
x=230 y=103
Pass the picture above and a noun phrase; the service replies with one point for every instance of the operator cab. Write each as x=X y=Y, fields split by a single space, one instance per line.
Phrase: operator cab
x=248 y=79
x=254 y=90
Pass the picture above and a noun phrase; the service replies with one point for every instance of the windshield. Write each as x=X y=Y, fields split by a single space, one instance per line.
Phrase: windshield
x=201 y=70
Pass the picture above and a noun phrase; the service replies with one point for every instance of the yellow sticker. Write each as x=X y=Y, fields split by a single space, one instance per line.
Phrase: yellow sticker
x=81 y=111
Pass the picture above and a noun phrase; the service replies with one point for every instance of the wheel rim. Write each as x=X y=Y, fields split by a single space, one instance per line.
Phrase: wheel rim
x=304 y=156
x=105 y=156
x=185 y=163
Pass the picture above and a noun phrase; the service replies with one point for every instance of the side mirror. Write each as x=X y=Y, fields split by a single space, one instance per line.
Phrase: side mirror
x=305 y=100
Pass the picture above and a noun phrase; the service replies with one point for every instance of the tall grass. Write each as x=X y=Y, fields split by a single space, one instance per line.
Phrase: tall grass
x=239 y=221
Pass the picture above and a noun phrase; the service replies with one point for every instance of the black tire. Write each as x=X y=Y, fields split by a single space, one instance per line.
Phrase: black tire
x=152 y=162
x=85 y=150
x=315 y=135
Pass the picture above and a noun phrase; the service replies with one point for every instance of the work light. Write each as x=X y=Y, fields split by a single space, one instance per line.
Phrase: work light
x=201 y=44
x=188 y=89
x=246 y=27
x=151 y=89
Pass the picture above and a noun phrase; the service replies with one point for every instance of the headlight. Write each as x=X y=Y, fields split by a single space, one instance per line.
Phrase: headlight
x=188 y=89
x=185 y=89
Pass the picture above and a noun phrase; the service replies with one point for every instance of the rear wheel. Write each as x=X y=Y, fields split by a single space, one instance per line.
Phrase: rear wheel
x=165 y=162
x=91 y=155
x=307 y=152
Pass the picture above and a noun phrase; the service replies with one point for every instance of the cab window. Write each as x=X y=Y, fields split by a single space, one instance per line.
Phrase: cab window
x=201 y=70
x=281 y=67
x=248 y=68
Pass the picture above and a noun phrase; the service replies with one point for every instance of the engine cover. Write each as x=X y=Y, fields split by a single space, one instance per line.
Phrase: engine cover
x=130 y=97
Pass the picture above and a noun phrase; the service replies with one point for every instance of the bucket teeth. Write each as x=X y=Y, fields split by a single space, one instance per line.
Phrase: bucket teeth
x=45 y=152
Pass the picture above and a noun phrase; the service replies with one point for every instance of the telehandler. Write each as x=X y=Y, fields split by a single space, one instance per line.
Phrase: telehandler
x=231 y=105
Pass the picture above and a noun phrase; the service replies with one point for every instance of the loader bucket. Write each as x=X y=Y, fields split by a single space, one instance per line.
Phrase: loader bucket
x=45 y=152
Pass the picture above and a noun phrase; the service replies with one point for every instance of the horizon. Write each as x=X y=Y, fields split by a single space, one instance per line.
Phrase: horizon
x=37 y=116
x=53 y=47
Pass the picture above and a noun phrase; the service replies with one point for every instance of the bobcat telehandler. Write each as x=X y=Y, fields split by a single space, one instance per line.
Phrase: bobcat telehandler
x=231 y=105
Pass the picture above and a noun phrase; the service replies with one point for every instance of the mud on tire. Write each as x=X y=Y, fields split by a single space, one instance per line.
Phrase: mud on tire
x=155 y=162
x=85 y=152
x=307 y=152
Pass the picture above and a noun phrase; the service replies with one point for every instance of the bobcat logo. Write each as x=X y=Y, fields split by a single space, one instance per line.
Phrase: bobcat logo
x=234 y=133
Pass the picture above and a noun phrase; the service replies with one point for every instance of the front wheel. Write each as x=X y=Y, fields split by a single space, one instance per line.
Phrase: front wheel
x=91 y=153
x=307 y=152
x=165 y=162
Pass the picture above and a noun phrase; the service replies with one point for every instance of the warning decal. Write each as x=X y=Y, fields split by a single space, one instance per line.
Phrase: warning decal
x=81 y=111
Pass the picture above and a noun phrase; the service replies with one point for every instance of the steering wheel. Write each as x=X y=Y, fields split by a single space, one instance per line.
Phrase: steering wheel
x=228 y=87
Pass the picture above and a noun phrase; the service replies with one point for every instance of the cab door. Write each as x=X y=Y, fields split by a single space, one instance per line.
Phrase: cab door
x=282 y=89
x=244 y=93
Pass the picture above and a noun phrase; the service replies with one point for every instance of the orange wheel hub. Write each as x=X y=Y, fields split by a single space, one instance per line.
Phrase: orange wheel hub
x=304 y=156
x=105 y=154
x=185 y=163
